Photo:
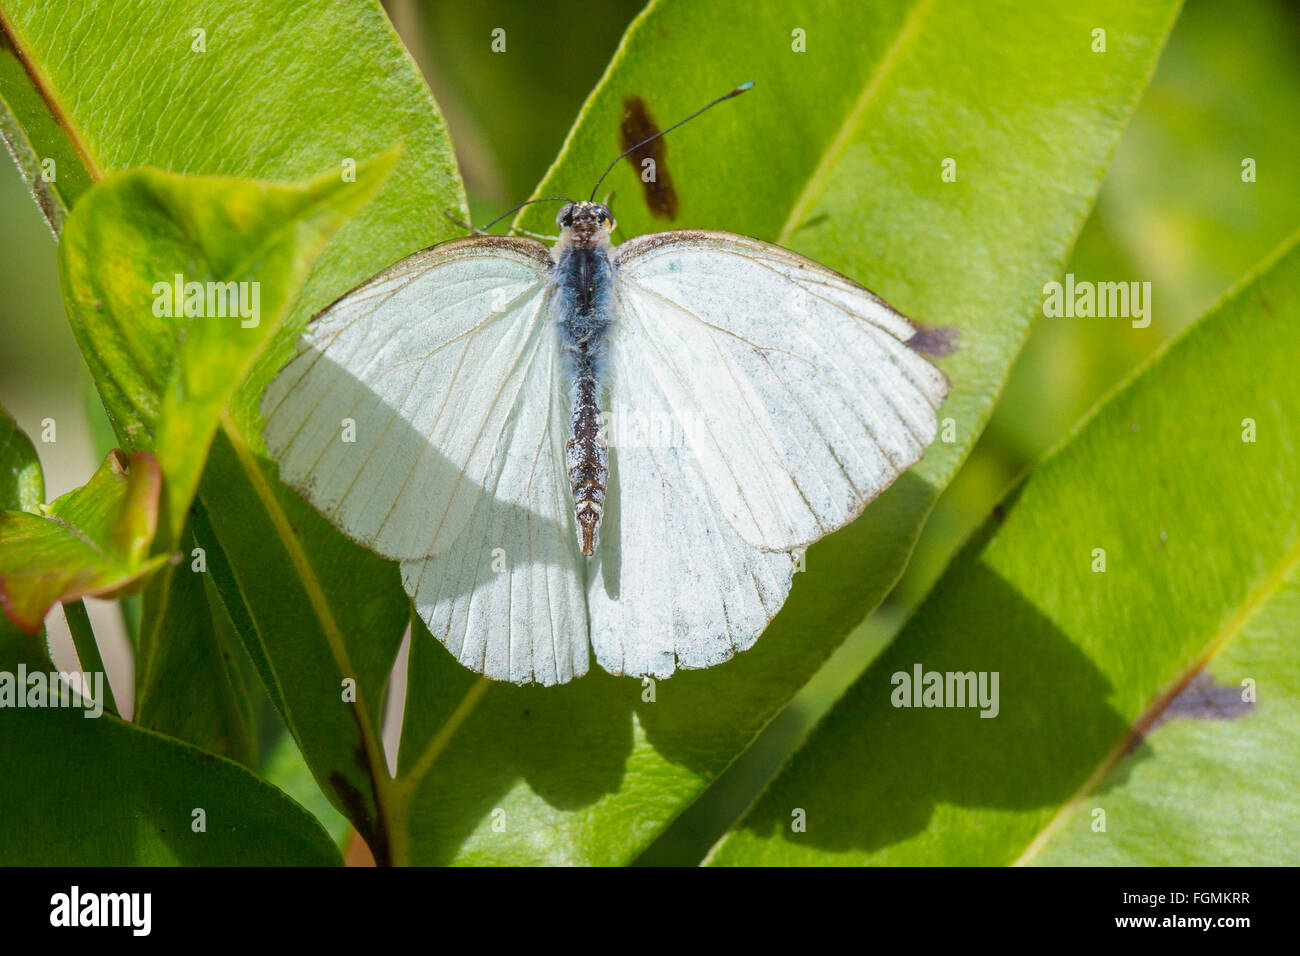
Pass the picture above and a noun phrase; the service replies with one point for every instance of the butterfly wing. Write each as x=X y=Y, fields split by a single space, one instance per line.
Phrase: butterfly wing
x=800 y=397
x=507 y=597
x=673 y=584
x=424 y=417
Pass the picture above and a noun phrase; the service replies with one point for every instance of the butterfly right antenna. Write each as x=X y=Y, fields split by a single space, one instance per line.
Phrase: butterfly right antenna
x=736 y=92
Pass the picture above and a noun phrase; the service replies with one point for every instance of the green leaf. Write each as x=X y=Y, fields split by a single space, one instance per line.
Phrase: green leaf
x=1174 y=209
x=197 y=636
x=22 y=483
x=305 y=645
x=1187 y=478
x=34 y=137
x=106 y=793
x=838 y=153
x=283 y=765
x=21 y=489
x=97 y=791
x=101 y=792
x=1211 y=782
x=92 y=541
x=267 y=100
x=175 y=283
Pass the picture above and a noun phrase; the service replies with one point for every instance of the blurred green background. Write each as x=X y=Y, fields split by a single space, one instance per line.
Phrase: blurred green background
x=1173 y=211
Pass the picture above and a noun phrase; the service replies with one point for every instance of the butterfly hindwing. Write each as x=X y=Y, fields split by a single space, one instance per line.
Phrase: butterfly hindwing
x=506 y=599
x=673 y=584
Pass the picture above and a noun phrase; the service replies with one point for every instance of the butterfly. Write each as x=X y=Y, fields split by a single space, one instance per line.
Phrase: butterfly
x=597 y=447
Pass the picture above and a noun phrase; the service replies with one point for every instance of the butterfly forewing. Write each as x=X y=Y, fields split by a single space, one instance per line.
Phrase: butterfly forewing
x=425 y=417
x=800 y=396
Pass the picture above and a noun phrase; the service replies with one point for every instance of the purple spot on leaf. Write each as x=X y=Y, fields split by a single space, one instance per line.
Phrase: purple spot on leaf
x=1203 y=699
x=933 y=340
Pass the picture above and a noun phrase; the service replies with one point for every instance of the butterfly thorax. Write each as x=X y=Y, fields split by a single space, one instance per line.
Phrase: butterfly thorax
x=583 y=275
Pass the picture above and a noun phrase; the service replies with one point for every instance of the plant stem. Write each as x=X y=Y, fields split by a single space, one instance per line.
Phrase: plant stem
x=83 y=636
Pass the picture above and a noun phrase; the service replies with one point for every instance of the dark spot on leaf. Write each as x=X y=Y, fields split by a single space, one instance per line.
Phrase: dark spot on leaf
x=1200 y=699
x=999 y=512
x=637 y=126
x=933 y=340
x=1203 y=699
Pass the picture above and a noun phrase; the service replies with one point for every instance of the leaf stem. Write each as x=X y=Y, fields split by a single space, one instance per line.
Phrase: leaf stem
x=83 y=637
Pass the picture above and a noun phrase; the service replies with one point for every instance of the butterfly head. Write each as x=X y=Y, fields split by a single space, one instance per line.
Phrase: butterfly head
x=585 y=224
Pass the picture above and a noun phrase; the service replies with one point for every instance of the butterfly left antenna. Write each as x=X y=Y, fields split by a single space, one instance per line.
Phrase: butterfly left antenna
x=480 y=230
x=650 y=139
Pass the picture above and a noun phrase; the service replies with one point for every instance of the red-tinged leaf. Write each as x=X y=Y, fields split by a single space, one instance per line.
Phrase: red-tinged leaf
x=93 y=541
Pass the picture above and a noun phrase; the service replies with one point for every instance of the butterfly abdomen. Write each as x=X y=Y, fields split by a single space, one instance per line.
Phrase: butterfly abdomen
x=585 y=457
x=583 y=276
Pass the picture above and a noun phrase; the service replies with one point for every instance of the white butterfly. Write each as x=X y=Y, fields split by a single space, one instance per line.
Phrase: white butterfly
x=753 y=401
